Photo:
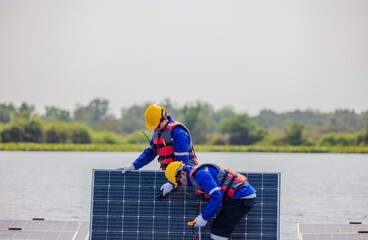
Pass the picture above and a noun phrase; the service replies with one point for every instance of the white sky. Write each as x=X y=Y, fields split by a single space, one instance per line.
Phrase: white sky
x=252 y=55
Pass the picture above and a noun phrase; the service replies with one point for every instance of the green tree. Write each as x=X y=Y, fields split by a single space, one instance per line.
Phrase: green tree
x=99 y=108
x=54 y=113
x=110 y=125
x=80 y=134
x=26 y=111
x=83 y=114
x=172 y=110
x=139 y=138
x=6 y=111
x=268 y=118
x=13 y=132
x=58 y=132
x=242 y=130
x=317 y=123
x=199 y=120
x=223 y=114
x=106 y=137
x=34 y=130
x=340 y=139
x=366 y=135
x=96 y=110
x=294 y=135
x=133 y=118
x=1 y=131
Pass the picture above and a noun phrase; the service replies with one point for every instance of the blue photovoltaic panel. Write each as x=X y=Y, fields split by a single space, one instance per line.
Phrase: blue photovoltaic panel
x=124 y=206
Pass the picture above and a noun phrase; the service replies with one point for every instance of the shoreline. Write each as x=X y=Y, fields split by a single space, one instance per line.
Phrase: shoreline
x=198 y=148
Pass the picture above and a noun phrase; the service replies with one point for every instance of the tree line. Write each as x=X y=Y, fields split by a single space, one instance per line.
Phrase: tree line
x=93 y=123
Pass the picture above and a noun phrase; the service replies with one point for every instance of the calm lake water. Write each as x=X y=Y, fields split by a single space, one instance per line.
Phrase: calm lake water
x=315 y=188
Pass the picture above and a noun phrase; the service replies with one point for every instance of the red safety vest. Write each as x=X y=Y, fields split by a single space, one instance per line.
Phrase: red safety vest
x=230 y=181
x=165 y=147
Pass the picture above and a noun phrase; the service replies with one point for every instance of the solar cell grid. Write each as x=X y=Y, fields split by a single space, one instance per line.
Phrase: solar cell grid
x=124 y=206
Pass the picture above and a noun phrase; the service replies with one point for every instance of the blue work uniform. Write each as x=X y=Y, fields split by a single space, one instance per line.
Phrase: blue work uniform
x=206 y=178
x=181 y=141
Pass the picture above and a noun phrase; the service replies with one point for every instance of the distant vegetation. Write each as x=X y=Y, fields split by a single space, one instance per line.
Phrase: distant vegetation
x=94 y=126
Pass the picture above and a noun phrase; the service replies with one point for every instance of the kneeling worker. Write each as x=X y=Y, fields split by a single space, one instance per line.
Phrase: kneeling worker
x=221 y=186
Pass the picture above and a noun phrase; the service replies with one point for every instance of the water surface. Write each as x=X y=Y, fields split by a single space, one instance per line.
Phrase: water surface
x=315 y=188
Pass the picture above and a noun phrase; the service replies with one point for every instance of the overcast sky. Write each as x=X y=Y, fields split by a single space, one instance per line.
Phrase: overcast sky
x=252 y=55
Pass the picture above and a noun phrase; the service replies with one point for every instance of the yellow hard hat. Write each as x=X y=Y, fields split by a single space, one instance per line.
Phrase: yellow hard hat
x=172 y=170
x=153 y=115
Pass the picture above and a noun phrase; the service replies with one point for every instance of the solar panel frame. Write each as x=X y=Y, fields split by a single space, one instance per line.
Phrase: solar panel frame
x=182 y=206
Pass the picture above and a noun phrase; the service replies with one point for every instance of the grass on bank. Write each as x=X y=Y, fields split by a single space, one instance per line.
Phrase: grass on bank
x=198 y=148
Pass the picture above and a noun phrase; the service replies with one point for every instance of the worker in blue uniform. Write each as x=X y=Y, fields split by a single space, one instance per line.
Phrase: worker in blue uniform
x=171 y=141
x=222 y=186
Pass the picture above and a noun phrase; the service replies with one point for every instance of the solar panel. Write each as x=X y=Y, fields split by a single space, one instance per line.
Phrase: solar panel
x=43 y=230
x=354 y=231
x=124 y=206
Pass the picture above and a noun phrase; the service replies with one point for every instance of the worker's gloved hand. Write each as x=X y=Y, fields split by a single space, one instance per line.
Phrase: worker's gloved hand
x=166 y=188
x=128 y=168
x=200 y=222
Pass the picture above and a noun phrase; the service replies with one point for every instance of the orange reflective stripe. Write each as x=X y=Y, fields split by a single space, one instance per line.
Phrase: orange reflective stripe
x=191 y=173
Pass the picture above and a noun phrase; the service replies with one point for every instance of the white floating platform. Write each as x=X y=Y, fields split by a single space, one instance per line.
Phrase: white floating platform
x=43 y=230
x=351 y=231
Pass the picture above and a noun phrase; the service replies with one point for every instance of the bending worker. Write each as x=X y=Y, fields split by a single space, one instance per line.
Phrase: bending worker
x=171 y=141
x=221 y=186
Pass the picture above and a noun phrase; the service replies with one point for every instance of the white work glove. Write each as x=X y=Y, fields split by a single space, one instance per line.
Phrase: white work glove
x=166 y=188
x=128 y=168
x=200 y=222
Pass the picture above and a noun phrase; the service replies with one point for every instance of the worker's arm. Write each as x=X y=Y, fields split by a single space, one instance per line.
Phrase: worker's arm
x=146 y=157
x=181 y=144
x=213 y=189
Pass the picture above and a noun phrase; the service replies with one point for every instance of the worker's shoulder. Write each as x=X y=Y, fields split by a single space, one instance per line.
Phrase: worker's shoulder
x=203 y=172
x=179 y=131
